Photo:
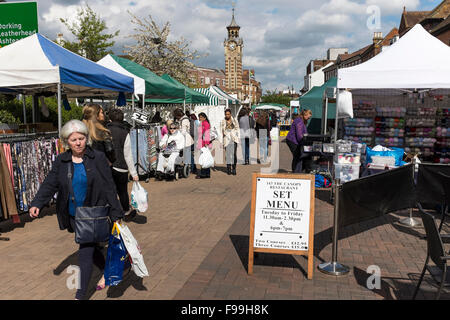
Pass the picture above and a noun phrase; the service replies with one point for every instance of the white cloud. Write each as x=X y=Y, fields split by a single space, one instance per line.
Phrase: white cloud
x=280 y=37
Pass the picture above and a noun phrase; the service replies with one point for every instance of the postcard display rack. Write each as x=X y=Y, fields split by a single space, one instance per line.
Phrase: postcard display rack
x=417 y=122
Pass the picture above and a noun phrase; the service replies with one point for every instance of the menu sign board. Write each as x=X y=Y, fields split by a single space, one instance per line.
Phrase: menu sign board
x=282 y=218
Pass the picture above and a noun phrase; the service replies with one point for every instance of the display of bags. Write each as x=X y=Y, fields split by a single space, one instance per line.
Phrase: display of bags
x=206 y=159
x=139 y=197
x=134 y=251
x=116 y=258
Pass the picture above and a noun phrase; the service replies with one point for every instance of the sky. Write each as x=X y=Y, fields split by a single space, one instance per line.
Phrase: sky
x=280 y=36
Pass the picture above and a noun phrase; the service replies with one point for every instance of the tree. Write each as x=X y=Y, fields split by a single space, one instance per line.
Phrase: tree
x=154 y=51
x=88 y=29
x=274 y=97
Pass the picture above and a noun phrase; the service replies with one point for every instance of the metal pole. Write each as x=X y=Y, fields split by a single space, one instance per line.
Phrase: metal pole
x=184 y=101
x=59 y=109
x=33 y=113
x=334 y=267
x=24 y=109
x=325 y=117
x=410 y=221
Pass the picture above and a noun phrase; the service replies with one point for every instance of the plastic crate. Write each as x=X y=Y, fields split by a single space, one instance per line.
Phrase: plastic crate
x=346 y=172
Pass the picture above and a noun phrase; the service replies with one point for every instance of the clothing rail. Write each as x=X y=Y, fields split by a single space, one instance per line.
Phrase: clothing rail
x=18 y=137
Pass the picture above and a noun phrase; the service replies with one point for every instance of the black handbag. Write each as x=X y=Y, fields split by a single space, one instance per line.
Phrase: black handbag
x=92 y=224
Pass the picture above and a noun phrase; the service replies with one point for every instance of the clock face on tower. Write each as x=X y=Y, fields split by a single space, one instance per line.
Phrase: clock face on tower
x=232 y=45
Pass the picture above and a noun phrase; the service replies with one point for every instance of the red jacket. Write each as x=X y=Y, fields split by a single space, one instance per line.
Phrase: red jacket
x=203 y=135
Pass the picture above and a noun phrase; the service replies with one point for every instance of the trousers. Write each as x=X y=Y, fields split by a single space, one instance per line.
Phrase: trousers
x=121 y=182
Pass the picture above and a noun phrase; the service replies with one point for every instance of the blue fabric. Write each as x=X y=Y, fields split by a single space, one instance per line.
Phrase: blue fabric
x=143 y=146
x=121 y=100
x=116 y=257
x=397 y=153
x=66 y=104
x=77 y=70
x=79 y=185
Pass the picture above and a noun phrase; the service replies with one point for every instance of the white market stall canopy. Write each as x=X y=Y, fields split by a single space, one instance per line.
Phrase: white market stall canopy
x=268 y=107
x=110 y=63
x=36 y=64
x=417 y=60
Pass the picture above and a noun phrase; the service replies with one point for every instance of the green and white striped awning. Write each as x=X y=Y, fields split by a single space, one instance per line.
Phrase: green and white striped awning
x=214 y=99
x=225 y=95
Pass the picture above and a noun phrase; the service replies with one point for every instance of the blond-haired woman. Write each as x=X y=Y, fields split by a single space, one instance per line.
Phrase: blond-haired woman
x=93 y=118
x=294 y=139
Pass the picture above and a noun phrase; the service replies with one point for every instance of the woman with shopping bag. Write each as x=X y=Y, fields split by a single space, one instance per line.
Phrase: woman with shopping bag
x=79 y=176
x=231 y=138
x=204 y=144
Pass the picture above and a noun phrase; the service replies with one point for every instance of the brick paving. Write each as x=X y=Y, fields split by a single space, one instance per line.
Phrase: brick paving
x=194 y=238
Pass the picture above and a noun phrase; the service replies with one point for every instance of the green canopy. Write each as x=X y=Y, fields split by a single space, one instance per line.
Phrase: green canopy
x=191 y=96
x=314 y=101
x=154 y=86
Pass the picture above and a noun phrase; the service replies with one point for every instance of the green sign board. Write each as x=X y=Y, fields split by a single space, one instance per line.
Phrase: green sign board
x=17 y=20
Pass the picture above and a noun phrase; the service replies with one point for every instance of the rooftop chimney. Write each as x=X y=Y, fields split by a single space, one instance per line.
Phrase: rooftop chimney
x=377 y=37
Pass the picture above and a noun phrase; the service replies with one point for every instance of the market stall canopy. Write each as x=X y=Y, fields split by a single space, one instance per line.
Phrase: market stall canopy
x=416 y=60
x=314 y=100
x=191 y=96
x=214 y=98
x=36 y=64
x=109 y=62
x=223 y=94
x=269 y=106
x=155 y=86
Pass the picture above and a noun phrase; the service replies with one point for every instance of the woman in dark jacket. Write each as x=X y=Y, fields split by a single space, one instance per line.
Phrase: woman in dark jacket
x=90 y=175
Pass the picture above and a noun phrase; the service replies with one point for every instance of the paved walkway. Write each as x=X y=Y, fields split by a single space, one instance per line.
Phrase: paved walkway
x=194 y=239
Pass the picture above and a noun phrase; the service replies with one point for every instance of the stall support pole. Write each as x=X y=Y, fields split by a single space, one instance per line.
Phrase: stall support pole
x=334 y=267
x=59 y=109
x=24 y=109
x=410 y=221
x=324 y=117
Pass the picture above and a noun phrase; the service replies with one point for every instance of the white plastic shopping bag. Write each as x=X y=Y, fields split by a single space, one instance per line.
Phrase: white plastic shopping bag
x=139 y=197
x=206 y=159
x=132 y=246
x=345 y=104
x=274 y=133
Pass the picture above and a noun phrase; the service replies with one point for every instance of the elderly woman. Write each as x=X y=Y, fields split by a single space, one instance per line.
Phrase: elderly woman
x=231 y=137
x=171 y=145
x=90 y=175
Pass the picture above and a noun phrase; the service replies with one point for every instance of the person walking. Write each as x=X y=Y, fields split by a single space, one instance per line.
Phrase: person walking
x=124 y=159
x=294 y=139
x=204 y=140
x=246 y=126
x=165 y=128
x=263 y=133
x=92 y=183
x=230 y=132
x=171 y=145
x=188 y=133
x=94 y=117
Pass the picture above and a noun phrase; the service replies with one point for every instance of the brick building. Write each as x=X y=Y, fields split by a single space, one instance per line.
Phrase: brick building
x=256 y=90
x=436 y=21
x=201 y=77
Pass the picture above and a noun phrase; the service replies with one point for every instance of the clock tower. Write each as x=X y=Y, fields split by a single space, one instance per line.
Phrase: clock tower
x=233 y=59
